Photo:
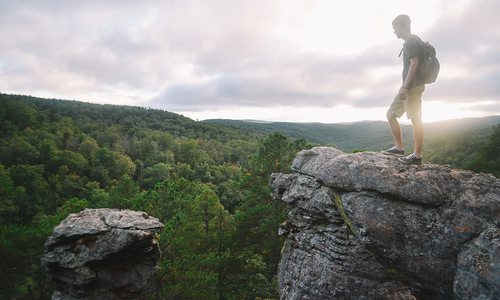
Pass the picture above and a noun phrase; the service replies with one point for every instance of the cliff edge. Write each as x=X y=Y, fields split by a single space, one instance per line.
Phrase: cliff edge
x=365 y=226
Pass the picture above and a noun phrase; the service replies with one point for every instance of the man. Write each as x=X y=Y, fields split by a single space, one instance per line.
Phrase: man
x=409 y=97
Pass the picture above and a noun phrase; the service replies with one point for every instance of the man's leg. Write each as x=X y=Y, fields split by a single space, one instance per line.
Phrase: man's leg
x=414 y=111
x=395 y=111
x=418 y=136
x=396 y=130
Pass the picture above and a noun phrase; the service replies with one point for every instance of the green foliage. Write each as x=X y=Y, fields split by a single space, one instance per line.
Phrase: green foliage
x=8 y=196
x=18 y=150
x=477 y=150
x=16 y=116
x=194 y=242
x=122 y=194
x=157 y=173
x=21 y=247
x=487 y=158
x=54 y=154
x=258 y=215
x=368 y=135
x=116 y=164
x=208 y=184
x=341 y=210
x=358 y=150
x=35 y=191
x=455 y=142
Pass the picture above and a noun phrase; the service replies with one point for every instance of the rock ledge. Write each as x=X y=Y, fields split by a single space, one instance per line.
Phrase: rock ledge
x=365 y=226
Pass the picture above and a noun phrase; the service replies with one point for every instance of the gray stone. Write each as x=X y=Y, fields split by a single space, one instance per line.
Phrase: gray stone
x=478 y=274
x=365 y=226
x=103 y=254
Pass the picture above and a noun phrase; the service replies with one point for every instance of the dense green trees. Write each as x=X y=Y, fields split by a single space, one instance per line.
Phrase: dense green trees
x=207 y=184
x=370 y=135
x=487 y=157
x=258 y=216
x=195 y=241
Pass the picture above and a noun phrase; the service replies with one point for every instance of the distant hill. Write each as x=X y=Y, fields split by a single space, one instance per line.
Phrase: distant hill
x=129 y=118
x=452 y=142
x=367 y=135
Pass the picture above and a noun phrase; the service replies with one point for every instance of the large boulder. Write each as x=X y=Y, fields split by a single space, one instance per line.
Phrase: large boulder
x=103 y=254
x=365 y=226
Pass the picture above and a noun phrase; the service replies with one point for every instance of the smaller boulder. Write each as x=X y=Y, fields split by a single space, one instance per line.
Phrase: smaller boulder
x=103 y=254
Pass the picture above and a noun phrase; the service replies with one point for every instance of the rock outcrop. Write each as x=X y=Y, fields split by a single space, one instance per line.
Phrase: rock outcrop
x=103 y=254
x=365 y=226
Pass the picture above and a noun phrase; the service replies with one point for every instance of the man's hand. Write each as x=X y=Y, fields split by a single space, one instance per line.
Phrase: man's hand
x=412 y=71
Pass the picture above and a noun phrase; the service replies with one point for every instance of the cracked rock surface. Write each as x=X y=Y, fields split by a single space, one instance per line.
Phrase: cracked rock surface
x=103 y=254
x=365 y=226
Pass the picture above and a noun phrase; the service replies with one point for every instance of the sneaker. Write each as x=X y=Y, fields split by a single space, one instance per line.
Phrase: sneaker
x=411 y=159
x=394 y=151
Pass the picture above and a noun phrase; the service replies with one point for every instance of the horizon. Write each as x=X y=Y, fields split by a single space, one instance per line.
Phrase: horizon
x=403 y=121
x=300 y=61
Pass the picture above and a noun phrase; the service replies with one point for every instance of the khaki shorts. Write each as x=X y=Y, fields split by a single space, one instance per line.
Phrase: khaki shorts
x=412 y=105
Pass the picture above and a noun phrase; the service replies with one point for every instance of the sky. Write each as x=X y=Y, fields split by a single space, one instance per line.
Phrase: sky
x=323 y=61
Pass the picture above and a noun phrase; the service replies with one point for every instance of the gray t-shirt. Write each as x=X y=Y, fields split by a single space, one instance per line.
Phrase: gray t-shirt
x=411 y=48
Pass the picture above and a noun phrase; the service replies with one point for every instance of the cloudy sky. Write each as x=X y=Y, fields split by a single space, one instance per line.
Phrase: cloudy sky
x=281 y=60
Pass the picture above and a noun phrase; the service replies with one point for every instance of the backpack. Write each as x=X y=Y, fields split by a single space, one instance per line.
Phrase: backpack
x=428 y=69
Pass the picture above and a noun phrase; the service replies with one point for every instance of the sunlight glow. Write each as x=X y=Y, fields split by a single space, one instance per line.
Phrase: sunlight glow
x=348 y=27
x=357 y=93
x=341 y=113
x=433 y=111
x=383 y=72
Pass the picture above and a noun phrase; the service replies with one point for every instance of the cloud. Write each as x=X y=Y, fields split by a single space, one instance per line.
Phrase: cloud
x=212 y=55
x=310 y=79
x=288 y=80
x=91 y=44
x=468 y=45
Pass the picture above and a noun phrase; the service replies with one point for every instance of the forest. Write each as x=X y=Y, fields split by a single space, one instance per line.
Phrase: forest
x=374 y=135
x=207 y=183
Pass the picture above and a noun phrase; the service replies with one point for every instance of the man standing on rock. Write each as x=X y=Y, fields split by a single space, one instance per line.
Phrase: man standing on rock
x=409 y=97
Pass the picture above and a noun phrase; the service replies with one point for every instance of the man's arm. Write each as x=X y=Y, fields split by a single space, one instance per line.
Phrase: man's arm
x=412 y=71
